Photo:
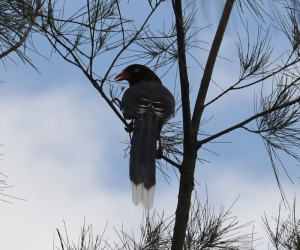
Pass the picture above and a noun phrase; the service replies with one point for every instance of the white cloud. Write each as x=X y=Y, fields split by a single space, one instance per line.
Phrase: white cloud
x=55 y=154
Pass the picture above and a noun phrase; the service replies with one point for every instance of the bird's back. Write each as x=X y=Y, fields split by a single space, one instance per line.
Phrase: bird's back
x=148 y=98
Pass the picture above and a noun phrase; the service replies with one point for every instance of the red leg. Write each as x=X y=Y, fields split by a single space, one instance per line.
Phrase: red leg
x=159 y=151
x=129 y=127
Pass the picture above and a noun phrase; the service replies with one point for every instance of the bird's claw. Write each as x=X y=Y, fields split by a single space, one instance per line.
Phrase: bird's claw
x=129 y=127
x=159 y=152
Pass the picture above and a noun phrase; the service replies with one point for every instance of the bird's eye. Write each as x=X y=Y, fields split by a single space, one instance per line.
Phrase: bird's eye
x=136 y=70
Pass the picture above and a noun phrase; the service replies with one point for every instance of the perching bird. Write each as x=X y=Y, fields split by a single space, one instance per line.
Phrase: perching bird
x=150 y=105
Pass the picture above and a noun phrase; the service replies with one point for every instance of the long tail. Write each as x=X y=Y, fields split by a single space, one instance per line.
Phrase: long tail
x=142 y=162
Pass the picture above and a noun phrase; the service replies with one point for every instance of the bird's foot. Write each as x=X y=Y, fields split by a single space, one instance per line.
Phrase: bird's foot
x=159 y=152
x=129 y=127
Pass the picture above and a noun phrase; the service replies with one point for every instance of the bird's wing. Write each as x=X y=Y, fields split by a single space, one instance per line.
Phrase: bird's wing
x=148 y=97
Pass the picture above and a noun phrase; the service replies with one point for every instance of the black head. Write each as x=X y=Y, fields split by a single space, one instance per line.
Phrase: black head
x=137 y=73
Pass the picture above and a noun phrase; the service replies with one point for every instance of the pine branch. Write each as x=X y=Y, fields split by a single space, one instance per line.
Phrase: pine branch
x=241 y=124
x=18 y=9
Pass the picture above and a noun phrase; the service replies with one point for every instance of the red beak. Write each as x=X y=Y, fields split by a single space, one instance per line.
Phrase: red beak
x=122 y=76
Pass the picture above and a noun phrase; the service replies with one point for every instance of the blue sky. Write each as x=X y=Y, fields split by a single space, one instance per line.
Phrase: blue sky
x=62 y=153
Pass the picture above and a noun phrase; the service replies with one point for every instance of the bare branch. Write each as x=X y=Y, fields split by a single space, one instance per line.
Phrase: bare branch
x=199 y=106
x=182 y=65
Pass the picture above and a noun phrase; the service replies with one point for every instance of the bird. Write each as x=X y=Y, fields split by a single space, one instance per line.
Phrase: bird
x=149 y=105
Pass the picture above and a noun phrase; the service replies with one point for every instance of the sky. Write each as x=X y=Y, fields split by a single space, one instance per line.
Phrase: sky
x=63 y=154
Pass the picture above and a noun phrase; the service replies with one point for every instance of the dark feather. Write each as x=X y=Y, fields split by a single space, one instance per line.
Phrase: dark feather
x=142 y=161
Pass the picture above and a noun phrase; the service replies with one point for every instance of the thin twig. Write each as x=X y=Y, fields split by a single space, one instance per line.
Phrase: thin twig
x=121 y=23
x=171 y=162
x=128 y=44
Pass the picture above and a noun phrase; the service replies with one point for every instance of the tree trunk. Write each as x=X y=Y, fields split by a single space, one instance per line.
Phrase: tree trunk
x=184 y=198
x=190 y=132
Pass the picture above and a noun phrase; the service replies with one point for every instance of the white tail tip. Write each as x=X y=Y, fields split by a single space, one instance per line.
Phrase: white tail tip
x=137 y=193
x=142 y=195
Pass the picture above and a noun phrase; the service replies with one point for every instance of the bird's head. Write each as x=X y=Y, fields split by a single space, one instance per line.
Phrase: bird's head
x=137 y=73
